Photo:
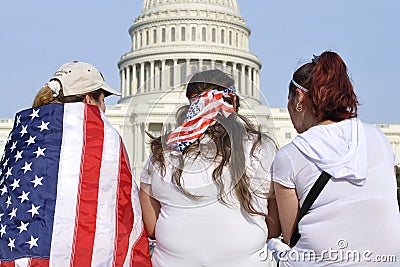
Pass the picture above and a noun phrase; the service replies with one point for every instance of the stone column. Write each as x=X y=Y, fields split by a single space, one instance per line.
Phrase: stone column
x=142 y=77
x=187 y=68
x=253 y=82
x=169 y=77
x=212 y=64
x=246 y=80
x=258 y=95
x=123 y=81
x=163 y=74
x=157 y=77
x=136 y=150
x=151 y=76
x=134 y=80
x=224 y=66
x=142 y=140
x=236 y=77
x=176 y=73
x=200 y=65
x=128 y=81
x=243 y=88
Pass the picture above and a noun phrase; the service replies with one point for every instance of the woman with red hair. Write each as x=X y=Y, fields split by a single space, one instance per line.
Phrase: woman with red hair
x=355 y=218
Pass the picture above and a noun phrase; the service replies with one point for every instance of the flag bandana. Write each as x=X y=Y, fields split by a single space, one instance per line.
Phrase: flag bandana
x=66 y=192
x=201 y=114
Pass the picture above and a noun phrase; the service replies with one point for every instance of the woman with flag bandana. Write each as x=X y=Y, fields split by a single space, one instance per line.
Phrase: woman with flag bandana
x=206 y=187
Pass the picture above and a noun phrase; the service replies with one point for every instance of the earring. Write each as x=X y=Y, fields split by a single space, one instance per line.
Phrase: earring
x=299 y=107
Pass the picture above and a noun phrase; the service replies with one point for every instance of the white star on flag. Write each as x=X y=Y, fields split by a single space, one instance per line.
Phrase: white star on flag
x=5 y=163
x=18 y=155
x=23 y=227
x=27 y=167
x=33 y=242
x=8 y=202
x=35 y=114
x=34 y=210
x=9 y=173
x=24 y=196
x=24 y=130
x=13 y=213
x=15 y=184
x=11 y=243
x=3 y=190
x=39 y=152
x=44 y=126
x=18 y=119
x=9 y=138
x=13 y=146
x=37 y=181
x=1 y=215
x=31 y=140
x=3 y=230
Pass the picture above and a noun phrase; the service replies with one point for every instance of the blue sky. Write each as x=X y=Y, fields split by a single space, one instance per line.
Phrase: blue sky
x=38 y=36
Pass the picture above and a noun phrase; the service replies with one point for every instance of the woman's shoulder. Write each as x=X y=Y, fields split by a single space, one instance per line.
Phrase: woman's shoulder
x=289 y=154
x=369 y=128
x=289 y=149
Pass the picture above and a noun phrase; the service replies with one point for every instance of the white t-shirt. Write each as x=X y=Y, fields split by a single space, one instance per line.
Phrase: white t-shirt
x=204 y=231
x=354 y=223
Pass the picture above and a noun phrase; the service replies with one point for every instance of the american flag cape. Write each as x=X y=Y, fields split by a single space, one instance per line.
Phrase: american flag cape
x=67 y=197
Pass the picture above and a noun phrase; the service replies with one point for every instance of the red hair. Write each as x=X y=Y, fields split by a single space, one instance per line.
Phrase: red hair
x=330 y=93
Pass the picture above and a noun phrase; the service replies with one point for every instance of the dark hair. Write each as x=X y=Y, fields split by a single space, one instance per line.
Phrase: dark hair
x=227 y=134
x=330 y=93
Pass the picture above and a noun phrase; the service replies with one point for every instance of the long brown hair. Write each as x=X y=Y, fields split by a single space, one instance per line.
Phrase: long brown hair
x=227 y=134
x=330 y=93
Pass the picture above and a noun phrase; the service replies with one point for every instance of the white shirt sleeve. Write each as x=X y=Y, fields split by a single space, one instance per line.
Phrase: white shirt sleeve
x=282 y=170
x=148 y=171
x=262 y=165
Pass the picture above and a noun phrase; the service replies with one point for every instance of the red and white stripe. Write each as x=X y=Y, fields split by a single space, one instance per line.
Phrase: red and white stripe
x=97 y=220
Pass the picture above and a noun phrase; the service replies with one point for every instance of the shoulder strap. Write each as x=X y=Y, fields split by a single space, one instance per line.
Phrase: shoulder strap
x=310 y=199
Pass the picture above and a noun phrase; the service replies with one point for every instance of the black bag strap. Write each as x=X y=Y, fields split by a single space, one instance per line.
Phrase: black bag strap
x=310 y=199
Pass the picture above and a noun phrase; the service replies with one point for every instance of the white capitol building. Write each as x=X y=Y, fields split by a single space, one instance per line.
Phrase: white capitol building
x=171 y=40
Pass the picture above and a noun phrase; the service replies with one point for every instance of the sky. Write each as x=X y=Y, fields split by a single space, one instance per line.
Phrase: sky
x=39 y=36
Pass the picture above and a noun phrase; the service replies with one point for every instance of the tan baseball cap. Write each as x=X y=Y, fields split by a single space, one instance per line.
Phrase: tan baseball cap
x=79 y=78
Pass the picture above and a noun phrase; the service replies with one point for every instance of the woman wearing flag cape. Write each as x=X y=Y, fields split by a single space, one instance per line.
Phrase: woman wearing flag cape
x=67 y=193
x=205 y=189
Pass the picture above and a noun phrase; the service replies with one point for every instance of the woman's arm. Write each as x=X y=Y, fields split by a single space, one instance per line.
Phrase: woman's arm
x=274 y=227
x=288 y=206
x=150 y=209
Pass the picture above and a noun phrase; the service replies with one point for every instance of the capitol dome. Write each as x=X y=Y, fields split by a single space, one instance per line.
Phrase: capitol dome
x=200 y=34
x=170 y=41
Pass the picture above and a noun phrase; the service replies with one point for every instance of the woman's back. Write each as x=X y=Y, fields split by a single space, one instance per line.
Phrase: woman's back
x=348 y=223
x=204 y=231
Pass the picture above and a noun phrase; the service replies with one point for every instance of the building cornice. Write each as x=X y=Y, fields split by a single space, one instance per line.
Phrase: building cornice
x=157 y=22
x=183 y=53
